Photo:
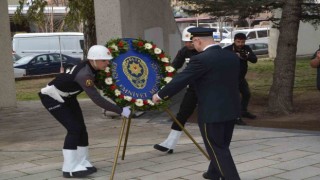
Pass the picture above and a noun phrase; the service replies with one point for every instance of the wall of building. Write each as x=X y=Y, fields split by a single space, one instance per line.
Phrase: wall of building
x=308 y=39
x=151 y=20
x=7 y=90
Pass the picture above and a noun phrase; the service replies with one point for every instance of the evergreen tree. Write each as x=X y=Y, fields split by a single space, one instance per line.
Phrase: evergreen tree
x=293 y=11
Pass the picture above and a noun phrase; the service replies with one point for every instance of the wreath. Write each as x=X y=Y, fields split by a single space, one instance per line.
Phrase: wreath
x=107 y=84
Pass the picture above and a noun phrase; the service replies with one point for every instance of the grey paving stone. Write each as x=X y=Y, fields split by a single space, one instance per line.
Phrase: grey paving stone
x=42 y=168
x=260 y=173
x=301 y=173
x=17 y=166
x=255 y=164
x=313 y=178
x=132 y=174
x=199 y=167
x=35 y=150
x=11 y=175
x=295 y=164
x=247 y=149
x=169 y=165
x=41 y=176
x=251 y=156
x=124 y=166
x=290 y=155
x=271 y=178
x=168 y=174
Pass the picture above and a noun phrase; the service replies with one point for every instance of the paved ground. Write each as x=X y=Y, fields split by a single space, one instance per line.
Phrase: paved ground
x=31 y=142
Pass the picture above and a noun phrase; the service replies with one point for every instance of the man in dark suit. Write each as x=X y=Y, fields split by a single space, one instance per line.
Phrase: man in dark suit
x=245 y=55
x=215 y=74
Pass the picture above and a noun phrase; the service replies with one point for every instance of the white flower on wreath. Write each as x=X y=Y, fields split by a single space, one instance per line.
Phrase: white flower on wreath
x=139 y=102
x=165 y=60
x=117 y=92
x=150 y=102
x=167 y=79
x=147 y=46
x=157 y=50
x=128 y=98
x=169 y=69
x=113 y=46
x=107 y=69
x=108 y=81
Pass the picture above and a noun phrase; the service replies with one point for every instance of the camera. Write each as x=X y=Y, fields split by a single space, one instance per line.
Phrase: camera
x=243 y=53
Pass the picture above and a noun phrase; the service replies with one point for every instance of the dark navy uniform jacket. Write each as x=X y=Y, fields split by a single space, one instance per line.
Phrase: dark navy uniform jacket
x=244 y=62
x=215 y=73
x=82 y=78
x=181 y=56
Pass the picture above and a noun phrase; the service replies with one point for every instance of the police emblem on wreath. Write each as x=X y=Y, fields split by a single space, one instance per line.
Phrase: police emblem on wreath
x=136 y=71
x=139 y=70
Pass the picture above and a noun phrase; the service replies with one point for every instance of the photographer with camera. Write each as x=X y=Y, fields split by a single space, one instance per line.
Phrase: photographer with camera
x=245 y=54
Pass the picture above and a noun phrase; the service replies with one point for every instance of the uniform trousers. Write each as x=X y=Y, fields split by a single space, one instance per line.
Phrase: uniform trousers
x=217 y=138
x=245 y=94
x=68 y=114
x=187 y=106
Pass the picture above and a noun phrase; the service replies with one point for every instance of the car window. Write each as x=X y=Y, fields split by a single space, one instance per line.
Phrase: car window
x=252 y=35
x=263 y=33
x=56 y=57
x=42 y=59
x=261 y=46
x=252 y=46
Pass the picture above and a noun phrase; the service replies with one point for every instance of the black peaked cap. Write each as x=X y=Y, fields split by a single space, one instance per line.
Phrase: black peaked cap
x=200 y=32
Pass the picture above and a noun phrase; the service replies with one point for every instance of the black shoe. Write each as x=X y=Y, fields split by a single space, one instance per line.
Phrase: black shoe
x=92 y=169
x=240 y=122
x=248 y=115
x=206 y=176
x=163 y=149
x=77 y=174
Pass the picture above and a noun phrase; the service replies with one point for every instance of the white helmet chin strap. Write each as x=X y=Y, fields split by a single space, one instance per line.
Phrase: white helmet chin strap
x=94 y=64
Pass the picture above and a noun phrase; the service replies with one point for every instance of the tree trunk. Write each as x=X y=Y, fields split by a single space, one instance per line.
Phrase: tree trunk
x=281 y=91
x=89 y=30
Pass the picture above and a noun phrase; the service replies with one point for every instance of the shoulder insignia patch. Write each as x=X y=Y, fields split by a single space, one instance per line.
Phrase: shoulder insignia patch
x=89 y=83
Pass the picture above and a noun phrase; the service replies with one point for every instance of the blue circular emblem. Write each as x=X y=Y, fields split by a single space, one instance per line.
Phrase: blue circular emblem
x=138 y=71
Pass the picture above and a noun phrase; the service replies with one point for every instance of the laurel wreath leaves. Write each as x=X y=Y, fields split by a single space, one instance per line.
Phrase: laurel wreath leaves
x=107 y=84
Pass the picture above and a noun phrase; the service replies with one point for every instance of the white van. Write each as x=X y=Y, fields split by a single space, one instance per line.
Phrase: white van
x=69 y=43
x=253 y=35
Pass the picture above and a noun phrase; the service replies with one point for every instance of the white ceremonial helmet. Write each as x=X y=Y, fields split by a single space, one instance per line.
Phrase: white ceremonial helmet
x=185 y=34
x=99 y=52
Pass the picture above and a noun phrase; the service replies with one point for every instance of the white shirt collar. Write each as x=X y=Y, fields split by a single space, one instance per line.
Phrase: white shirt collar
x=209 y=46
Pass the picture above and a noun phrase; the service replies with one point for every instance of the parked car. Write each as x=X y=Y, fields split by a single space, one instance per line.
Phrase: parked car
x=259 y=48
x=253 y=35
x=68 y=43
x=15 y=57
x=43 y=64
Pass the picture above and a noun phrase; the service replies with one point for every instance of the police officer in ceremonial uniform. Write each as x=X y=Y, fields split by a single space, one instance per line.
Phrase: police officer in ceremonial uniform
x=60 y=99
x=245 y=54
x=189 y=101
x=215 y=74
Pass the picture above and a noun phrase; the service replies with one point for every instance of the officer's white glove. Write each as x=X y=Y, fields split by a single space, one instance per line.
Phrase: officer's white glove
x=126 y=111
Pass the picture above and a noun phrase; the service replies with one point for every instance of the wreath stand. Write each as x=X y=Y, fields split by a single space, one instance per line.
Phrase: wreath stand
x=124 y=122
